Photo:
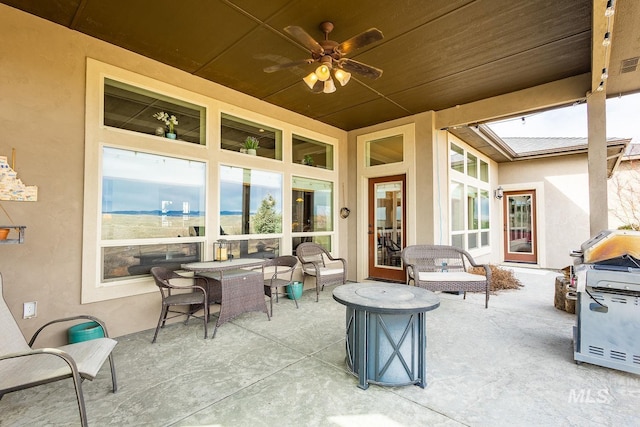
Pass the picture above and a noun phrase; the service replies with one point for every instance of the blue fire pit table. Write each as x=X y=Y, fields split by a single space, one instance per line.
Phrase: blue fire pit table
x=386 y=332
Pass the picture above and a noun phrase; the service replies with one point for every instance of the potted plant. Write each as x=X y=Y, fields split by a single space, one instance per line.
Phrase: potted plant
x=251 y=144
x=170 y=120
x=307 y=160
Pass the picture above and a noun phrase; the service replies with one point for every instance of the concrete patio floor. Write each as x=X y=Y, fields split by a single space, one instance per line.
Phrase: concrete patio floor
x=510 y=364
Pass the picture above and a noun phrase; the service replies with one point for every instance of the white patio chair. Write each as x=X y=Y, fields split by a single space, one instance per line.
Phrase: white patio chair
x=23 y=367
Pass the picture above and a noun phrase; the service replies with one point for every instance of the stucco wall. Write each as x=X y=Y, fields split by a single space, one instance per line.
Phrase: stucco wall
x=42 y=110
x=563 y=206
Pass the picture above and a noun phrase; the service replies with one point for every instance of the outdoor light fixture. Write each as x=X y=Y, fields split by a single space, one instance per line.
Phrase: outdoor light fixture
x=498 y=193
x=609 y=11
x=607 y=39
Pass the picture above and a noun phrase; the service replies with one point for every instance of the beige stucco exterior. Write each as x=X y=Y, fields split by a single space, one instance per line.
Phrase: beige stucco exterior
x=562 y=193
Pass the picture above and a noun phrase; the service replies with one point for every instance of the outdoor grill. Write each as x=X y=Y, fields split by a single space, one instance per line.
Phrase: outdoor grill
x=607 y=282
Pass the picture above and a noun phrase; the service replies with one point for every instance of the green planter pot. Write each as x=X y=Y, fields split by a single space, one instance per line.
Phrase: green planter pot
x=294 y=291
x=85 y=332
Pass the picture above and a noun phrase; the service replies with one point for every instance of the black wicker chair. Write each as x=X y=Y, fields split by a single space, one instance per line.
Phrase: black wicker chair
x=318 y=262
x=196 y=299
x=280 y=272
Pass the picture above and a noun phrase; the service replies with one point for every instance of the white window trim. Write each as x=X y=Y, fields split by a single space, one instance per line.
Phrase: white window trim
x=468 y=181
x=97 y=135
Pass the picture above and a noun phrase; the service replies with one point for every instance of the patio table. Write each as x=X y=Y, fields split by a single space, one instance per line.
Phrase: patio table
x=386 y=332
x=242 y=290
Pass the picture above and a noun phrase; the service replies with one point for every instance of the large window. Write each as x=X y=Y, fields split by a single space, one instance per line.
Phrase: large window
x=312 y=211
x=251 y=204
x=147 y=199
x=153 y=200
x=469 y=197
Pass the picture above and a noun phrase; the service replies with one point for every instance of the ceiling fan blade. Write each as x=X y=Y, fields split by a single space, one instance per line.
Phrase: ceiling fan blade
x=285 y=65
x=362 y=39
x=365 y=70
x=303 y=37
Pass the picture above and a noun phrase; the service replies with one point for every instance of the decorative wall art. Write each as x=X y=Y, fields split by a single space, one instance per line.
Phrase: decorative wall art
x=12 y=188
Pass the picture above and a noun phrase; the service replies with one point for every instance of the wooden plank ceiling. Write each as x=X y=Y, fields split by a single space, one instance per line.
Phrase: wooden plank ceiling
x=434 y=55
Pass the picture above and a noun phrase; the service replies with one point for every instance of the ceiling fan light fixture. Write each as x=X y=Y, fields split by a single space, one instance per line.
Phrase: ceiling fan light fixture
x=342 y=76
x=323 y=72
x=310 y=80
x=329 y=86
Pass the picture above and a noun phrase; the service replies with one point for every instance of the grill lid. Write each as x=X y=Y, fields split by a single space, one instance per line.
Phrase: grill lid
x=612 y=247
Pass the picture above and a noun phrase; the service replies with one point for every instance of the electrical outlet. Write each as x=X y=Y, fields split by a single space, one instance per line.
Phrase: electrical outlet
x=29 y=310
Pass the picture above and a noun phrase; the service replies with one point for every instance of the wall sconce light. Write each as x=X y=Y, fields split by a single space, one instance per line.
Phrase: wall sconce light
x=609 y=11
x=498 y=193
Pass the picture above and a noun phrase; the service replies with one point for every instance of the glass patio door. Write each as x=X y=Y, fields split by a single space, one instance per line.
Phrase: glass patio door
x=520 y=226
x=386 y=227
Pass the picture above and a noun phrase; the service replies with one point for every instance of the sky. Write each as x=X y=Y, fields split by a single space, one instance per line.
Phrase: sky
x=623 y=121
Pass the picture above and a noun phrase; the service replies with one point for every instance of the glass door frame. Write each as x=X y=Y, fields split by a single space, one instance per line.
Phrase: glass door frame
x=530 y=235
x=377 y=250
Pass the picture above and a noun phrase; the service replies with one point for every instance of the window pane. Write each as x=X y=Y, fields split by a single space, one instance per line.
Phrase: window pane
x=250 y=201
x=472 y=241
x=235 y=131
x=457 y=158
x=384 y=151
x=472 y=208
x=457 y=206
x=132 y=108
x=312 y=205
x=312 y=153
x=484 y=171
x=472 y=165
x=150 y=196
x=457 y=240
x=484 y=209
x=324 y=241
x=136 y=260
x=254 y=248
x=484 y=238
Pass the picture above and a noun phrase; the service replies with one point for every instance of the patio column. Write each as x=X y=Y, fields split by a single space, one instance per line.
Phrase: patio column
x=597 y=162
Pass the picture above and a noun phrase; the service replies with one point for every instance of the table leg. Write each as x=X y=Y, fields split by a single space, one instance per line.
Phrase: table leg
x=422 y=350
x=362 y=350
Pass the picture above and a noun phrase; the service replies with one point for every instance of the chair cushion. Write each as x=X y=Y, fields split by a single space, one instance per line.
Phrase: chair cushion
x=449 y=276
x=323 y=271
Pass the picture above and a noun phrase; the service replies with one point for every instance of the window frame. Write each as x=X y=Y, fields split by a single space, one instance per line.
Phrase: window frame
x=97 y=135
x=468 y=184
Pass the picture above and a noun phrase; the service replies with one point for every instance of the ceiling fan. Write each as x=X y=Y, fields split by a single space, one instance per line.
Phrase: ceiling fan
x=330 y=55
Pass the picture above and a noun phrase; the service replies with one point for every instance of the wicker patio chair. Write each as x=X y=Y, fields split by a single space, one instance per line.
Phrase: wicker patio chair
x=281 y=271
x=314 y=263
x=444 y=268
x=23 y=367
x=195 y=299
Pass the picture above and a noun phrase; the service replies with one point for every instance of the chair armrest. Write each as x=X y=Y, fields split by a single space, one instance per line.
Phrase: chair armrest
x=46 y=350
x=486 y=267
x=67 y=319
x=66 y=357
x=316 y=265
